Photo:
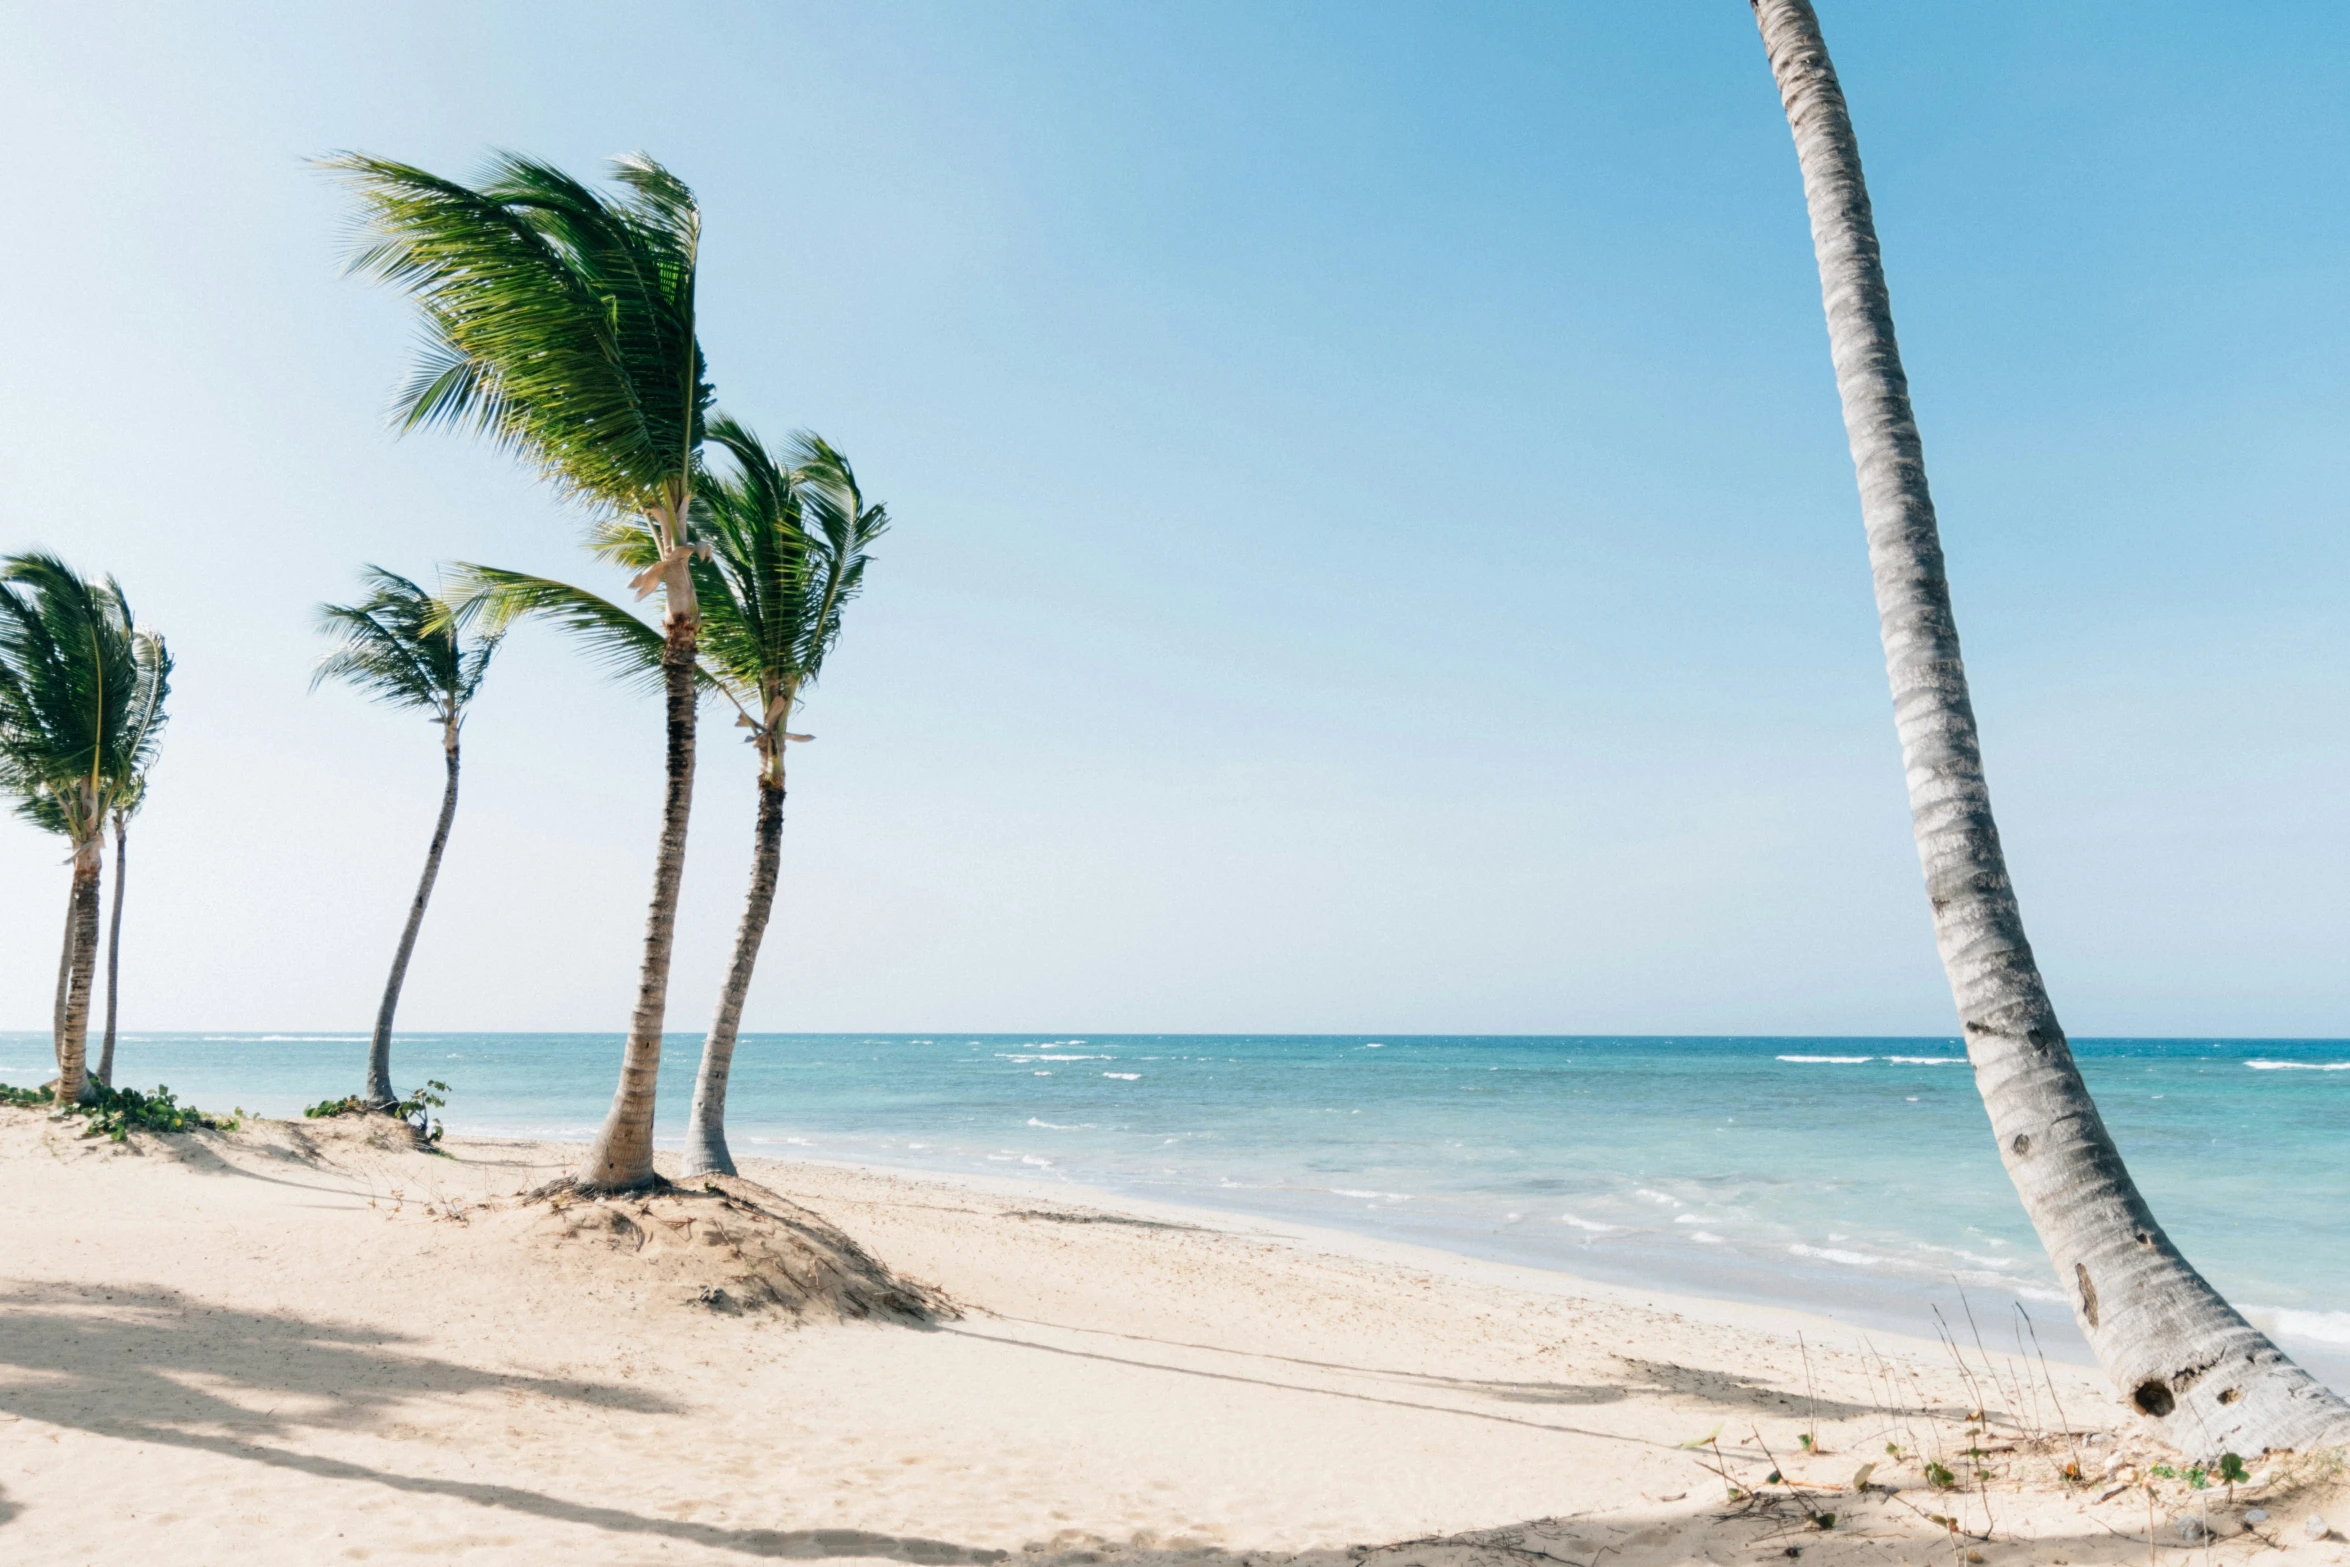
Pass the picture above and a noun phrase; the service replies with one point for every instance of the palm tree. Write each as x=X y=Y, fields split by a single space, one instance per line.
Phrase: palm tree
x=406 y=647
x=82 y=693
x=560 y=325
x=2179 y=1351
x=788 y=552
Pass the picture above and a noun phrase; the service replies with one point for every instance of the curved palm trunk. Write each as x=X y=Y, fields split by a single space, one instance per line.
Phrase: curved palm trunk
x=2164 y=1335
x=705 y=1129
x=621 y=1158
x=380 y=1094
x=105 y=1072
x=73 y=1078
x=64 y=983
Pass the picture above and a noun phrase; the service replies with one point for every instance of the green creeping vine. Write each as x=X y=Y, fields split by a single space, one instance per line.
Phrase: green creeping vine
x=115 y=1113
x=416 y=1109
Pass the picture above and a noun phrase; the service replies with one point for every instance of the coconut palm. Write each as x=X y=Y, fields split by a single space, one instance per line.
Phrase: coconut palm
x=788 y=544
x=560 y=325
x=2178 y=1350
x=82 y=694
x=407 y=648
x=789 y=550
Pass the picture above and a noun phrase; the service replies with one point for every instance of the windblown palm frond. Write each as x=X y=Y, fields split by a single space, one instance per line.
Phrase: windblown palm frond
x=82 y=695
x=405 y=646
x=559 y=323
x=842 y=527
x=789 y=551
x=627 y=648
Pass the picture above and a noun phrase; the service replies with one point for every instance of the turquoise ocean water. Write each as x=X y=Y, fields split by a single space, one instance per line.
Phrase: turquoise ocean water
x=1851 y=1176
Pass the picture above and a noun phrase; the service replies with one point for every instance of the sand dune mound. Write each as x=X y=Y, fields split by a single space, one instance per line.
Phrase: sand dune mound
x=730 y=1245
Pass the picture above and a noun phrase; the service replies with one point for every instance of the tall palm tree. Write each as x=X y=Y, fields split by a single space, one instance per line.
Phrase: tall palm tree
x=2179 y=1351
x=560 y=325
x=789 y=543
x=406 y=647
x=789 y=553
x=82 y=694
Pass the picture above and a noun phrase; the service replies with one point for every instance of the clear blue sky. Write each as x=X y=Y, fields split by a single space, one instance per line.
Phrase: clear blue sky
x=1376 y=546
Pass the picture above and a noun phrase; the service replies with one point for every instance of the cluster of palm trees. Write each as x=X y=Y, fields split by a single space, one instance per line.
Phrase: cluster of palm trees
x=560 y=324
x=82 y=698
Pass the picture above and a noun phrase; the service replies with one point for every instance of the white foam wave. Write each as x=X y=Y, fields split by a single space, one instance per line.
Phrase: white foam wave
x=1850 y=1259
x=1656 y=1196
x=1593 y=1225
x=1124 y=1077
x=1059 y=1126
x=1703 y=1238
x=1829 y=1060
x=2299 y=1066
x=1927 y=1060
x=1374 y=1047
x=2323 y=1327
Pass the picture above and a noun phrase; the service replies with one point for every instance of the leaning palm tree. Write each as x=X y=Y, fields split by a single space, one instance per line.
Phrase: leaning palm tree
x=407 y=648
x=789 y=552
x=560 y=324
x=82 y=693
x=2178 y=1350
x=789 y=546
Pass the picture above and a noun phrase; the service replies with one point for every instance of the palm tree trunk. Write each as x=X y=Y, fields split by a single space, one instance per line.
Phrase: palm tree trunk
x=705 y=1128
x=105 y=1073
x=380 y=1094
x=64 y=983
x=2163 y=1334
x=73 y=1078
x=621 y=1158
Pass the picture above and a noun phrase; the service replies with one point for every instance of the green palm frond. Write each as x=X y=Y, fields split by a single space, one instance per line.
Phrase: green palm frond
x=846 y=525
x=405 y=646
x=626 y=647
x=788 y=551
x=559 y=322
x=82 y=695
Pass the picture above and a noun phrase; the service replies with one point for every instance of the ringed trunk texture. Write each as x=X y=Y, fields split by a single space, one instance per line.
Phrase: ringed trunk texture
x=380 y=1093
x=2170 y=1343
x=73 y=1078
x=105 y=1072
x=621 y=1158
x=705 y=1129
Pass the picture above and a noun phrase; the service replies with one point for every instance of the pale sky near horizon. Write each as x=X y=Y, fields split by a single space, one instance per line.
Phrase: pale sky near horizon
x=1375 y=544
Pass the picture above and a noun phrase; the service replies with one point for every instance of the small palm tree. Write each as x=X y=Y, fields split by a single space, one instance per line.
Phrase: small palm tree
x=406 y=648
x=82 y=694
x=788 y=549
x=560 y=325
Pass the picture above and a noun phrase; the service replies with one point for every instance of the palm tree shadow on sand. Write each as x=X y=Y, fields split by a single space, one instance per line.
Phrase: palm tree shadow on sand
x=150 y=1365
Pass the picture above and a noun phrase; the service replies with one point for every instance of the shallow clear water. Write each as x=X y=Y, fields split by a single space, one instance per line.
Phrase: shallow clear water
x=1852 y=1176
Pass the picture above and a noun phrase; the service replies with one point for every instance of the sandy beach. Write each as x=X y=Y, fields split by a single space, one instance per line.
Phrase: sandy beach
x=307 y=1342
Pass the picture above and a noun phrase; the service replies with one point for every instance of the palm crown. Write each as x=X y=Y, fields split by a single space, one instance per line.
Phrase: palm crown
x=559 y=323
x=787 y=550
x=404 y=646
x=82 y=695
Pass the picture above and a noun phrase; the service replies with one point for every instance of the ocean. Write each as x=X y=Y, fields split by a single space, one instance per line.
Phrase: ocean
x=1852 y=1177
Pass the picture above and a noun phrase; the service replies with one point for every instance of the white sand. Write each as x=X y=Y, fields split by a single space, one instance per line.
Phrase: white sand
x=278 y=1345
